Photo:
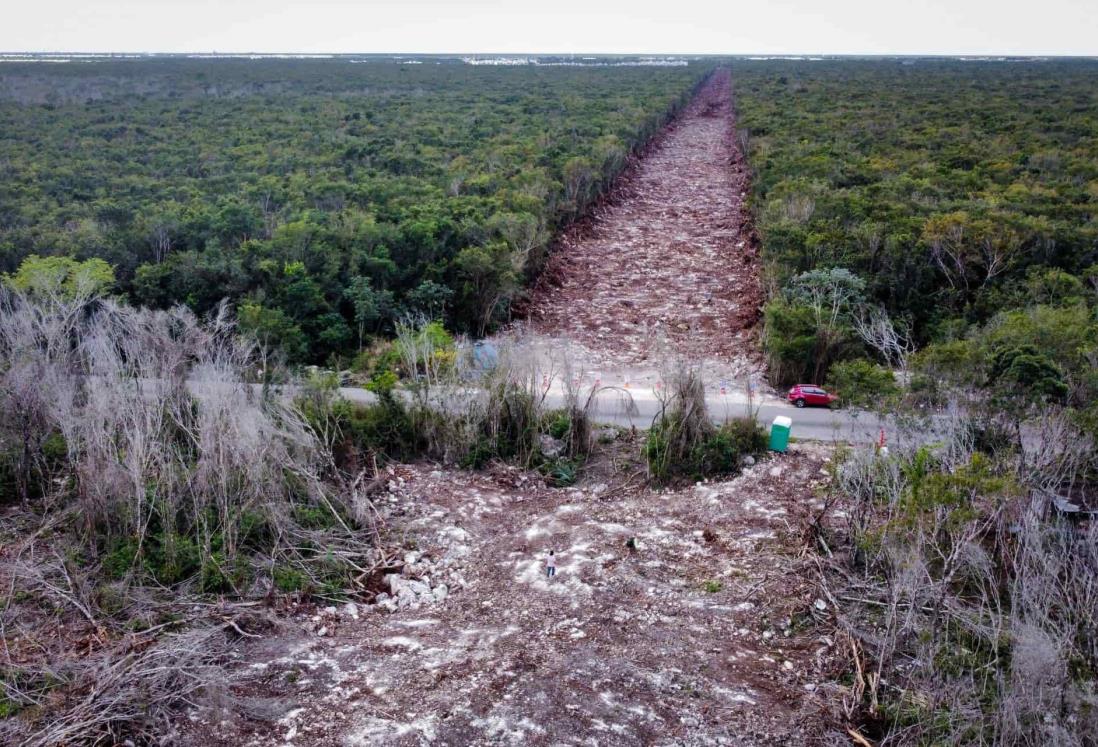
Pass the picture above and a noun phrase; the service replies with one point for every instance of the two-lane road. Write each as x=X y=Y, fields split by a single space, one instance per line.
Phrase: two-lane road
x=640 y=407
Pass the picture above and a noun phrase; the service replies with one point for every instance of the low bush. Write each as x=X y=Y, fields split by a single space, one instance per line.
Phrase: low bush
x=557 y=424
x=968 y=601
x=561 y=472
x=714 y=454
x=862 y=383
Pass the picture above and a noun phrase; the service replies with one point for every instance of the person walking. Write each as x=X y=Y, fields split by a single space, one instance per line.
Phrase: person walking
x=551 y=565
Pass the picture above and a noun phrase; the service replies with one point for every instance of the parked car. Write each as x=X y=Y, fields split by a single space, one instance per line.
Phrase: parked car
x=810 y=394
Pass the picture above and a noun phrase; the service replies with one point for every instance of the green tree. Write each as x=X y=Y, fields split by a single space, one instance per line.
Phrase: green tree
x=1023 y=374
x=862 y=383
x=790 y=341
x=274 y=329
x=830 y=298
x=489 y=280
x=1053 y=287
x=430 y=299
x=372 y=308
x=62 y=277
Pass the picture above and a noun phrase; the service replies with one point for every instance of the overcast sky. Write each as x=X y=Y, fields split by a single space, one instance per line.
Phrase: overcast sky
x=1048 y=27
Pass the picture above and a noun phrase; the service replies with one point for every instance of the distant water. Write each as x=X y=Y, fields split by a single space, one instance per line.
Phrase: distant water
x=538 y=60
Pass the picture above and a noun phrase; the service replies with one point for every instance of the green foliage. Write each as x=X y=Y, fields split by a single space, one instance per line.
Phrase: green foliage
x=326 y=198
x=712 y=454
x=173 y=557
x=479 y=454
x=862 y=383
x=790 y=341
x=273 y=328
x=167 y=557
x=118 y=561
x=289 y=580
x=1053 y=287
x=558 y=423
x=1061 y=343
x=831 y=294
x=957 y=190
x=939 y=518
x=314 y=517
x=488 y=281
x=62 y=276
x=8 y=708
x=958 y=362
x=512 y=428
x=808 y=326
x=1025 y=373
x=712 y=587
x=384 y=429
x=509 y=427
x=372 y=308
x=721 y=453
x=219 y=575
x=430 y=346
x=383 y=383
x=952 y=498
x=561 y=472
x=430 y=299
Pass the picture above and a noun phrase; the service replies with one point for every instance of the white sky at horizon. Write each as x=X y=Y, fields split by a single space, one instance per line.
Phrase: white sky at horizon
x=976 y=27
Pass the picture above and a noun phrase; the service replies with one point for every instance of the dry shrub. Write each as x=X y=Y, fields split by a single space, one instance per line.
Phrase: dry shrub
x=971 y=608
x=149 y=474
x=121 y=692
x=162 y=436
x=470 y=411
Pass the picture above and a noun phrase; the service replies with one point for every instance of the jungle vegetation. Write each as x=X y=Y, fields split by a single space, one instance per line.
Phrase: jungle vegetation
x=930 y=239
x=325 y=198
x=954 y=191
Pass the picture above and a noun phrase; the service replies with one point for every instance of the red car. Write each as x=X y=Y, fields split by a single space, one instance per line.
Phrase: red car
x=810 y=394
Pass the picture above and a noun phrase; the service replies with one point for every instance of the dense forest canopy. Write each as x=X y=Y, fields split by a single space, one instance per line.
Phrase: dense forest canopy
x=954 y=189
x=326 y=197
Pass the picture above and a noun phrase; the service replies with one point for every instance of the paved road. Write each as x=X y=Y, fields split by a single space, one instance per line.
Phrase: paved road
x=639 y=408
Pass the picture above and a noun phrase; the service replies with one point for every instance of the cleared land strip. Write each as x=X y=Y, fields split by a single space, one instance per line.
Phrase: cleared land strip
x=676 y=616
x=669 y=269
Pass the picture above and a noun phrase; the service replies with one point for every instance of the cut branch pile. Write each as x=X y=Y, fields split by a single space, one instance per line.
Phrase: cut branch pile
x=671 y=266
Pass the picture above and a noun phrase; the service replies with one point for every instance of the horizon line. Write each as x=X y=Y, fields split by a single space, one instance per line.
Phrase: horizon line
x=1062 y=55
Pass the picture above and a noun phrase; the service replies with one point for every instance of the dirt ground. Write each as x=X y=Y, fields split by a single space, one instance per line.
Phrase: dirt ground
x=676 y=617
x=669 y=267
x=697 y=634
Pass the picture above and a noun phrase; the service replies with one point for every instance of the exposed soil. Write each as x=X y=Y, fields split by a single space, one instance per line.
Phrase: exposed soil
x=669 y=267
x=678 y=617
x=699 y=635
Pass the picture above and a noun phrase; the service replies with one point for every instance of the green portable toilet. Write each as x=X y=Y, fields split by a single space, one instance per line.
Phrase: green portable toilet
x=779 y=433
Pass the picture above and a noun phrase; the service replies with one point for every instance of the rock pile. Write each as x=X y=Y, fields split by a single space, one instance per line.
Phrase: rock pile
x=420 y=584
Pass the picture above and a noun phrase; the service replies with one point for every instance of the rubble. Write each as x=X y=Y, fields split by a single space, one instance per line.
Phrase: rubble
x=661 y=623
x=551 y=448
x=470 y=642
x=670 y=267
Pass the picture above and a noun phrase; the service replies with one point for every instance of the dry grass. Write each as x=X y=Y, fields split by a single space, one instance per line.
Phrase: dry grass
x=969 y=606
